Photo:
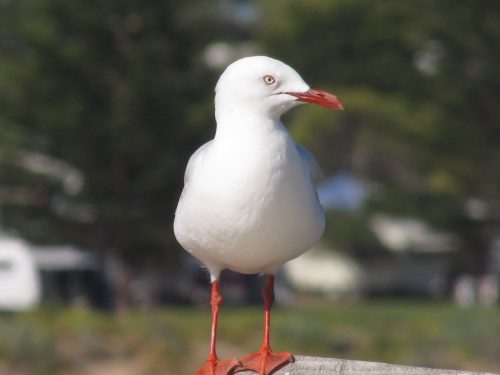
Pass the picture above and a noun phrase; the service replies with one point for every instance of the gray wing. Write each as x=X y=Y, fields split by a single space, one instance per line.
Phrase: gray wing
x=310 y=162
x=194 y=161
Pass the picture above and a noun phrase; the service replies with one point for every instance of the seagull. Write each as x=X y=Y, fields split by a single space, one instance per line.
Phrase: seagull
x=249 y=203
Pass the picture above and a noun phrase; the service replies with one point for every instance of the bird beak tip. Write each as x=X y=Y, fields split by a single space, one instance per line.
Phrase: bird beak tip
x=320 y=97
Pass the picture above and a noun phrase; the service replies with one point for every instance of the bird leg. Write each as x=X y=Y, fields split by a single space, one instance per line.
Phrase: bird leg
x=213 y=365
x=265 y=361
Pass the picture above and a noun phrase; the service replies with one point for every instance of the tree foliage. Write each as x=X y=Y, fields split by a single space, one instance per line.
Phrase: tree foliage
x=421 y=84
x=119 y=91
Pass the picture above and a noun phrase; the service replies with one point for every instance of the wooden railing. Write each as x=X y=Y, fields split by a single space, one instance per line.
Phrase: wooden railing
x=331 y=366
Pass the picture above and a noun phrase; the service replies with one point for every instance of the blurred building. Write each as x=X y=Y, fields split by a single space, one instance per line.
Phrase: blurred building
x=416 y=259
x=30 y=275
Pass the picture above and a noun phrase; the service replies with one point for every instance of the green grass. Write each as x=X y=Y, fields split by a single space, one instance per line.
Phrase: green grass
x=175 y=340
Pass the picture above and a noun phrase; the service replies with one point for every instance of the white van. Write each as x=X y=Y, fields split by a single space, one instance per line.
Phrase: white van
x=19 y=279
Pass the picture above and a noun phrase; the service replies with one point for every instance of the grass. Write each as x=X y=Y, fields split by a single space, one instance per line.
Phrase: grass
x=175 y=340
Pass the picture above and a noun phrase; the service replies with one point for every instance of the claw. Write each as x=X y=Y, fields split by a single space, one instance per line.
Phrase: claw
x=265 y=362
x=219 y=367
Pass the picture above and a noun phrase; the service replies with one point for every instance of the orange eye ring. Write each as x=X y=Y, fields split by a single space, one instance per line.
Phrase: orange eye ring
x=269 y=80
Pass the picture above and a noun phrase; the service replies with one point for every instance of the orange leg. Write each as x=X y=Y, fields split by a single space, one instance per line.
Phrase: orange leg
x=265 y=362
x=213 y=365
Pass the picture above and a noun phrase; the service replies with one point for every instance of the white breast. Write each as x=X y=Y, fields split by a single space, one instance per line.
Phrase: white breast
x=249 y=204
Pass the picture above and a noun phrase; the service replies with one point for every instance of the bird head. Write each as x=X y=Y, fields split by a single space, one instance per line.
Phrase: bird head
x=265 y=86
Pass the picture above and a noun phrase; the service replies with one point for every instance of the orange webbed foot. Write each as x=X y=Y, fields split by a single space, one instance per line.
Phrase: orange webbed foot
x=266 y=362
x=216 y=366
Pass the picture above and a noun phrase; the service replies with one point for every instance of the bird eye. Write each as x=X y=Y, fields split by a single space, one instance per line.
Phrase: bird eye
x=269 y=80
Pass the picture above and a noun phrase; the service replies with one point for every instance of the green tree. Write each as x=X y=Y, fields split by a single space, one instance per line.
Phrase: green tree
x=420 y=83
x=119 y=91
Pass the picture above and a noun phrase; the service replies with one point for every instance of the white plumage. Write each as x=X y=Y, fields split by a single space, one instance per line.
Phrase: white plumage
x=249 y=203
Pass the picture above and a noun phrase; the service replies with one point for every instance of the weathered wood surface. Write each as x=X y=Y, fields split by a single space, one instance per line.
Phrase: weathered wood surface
x=321 y=366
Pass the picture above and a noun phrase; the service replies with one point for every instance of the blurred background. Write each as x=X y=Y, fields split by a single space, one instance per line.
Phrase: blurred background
x=101 y=104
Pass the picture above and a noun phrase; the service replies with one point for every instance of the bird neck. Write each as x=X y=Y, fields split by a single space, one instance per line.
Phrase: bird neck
x=244 y=122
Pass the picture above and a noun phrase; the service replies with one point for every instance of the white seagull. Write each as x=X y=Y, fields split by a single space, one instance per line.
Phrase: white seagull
x=249 y=202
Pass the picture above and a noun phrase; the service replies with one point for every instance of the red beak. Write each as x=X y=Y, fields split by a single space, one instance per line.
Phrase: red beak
x=319 y=97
